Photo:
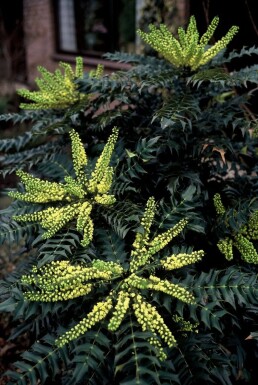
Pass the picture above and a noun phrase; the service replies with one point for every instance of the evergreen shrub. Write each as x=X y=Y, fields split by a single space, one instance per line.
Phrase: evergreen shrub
x=136 y=205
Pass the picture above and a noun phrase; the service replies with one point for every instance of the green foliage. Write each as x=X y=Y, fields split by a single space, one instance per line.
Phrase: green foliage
x=145 y=295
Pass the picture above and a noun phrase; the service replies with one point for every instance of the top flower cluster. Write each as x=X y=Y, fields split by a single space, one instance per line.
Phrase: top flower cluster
x=187 y=50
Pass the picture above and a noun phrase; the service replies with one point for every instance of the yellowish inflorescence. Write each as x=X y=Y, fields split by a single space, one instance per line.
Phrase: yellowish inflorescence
x=243 y=240
x=57 y=90
x=189 y=50
x=60 y=280
x=75 y=197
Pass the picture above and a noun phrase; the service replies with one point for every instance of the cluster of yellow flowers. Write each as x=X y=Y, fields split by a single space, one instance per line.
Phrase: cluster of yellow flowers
x=251 y=229
x=57 y=90
x=188 y=50
x=246 y=248
x=80 y=193
x=241 y=240
x=150 y=320
x=225 y=246
x=185 y=326
x=60 y=280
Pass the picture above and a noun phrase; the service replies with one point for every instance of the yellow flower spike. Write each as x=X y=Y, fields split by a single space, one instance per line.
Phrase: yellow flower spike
x=161 y=240
x=34 y=184
x=98 y=72
x=109 y=266
x=79 y=68
x=84 y=214
x=246 y=248
x=103 y=162
x=171 y=289
x=157 y=284
x=154 y=341
x=146 y=223
x=57 y=295
x=37 y=216
x=79 y=156
x=87 y=232
x=192 y=31
x=105 y=199
x=122 y=305
x=210 y=32
x=252 y=226
x=217 y=47
x=176 y=261
x=98 y=313
x=38 y=191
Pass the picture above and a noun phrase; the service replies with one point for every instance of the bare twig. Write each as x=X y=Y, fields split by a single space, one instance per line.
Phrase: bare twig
x=251 y=18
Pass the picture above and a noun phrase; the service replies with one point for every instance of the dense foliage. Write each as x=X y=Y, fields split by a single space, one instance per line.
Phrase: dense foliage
x=138 y=210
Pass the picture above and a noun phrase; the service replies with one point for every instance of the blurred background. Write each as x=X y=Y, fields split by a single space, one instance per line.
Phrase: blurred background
x=43 y=32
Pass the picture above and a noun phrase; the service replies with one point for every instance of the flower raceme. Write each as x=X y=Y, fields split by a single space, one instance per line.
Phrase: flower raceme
x=57 y=90
x=73 y=198
x=60 y=281
x=188 y=50
x=241 y=240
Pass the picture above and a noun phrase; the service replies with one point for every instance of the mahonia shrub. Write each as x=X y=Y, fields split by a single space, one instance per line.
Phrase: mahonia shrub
x=135 y=219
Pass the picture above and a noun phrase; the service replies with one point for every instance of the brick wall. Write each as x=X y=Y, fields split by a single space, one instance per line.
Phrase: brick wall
x=39 y=38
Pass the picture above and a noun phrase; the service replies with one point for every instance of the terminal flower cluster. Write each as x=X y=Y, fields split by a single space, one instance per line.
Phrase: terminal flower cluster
x=60 y=280
x=243 y=240
x=57 y=90
x=75 y=197
x=189 y=50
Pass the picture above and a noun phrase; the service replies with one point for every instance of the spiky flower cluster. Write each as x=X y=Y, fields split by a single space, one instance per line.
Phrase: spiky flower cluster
x=143 y=247
x=60 y=281
x=185 y=326
x=76 y=197
x=241 y=240
x=219 y=207
x=97 y=314
x=189 y=50
x=225 y=246
x=251 y=228
x=57 y=90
